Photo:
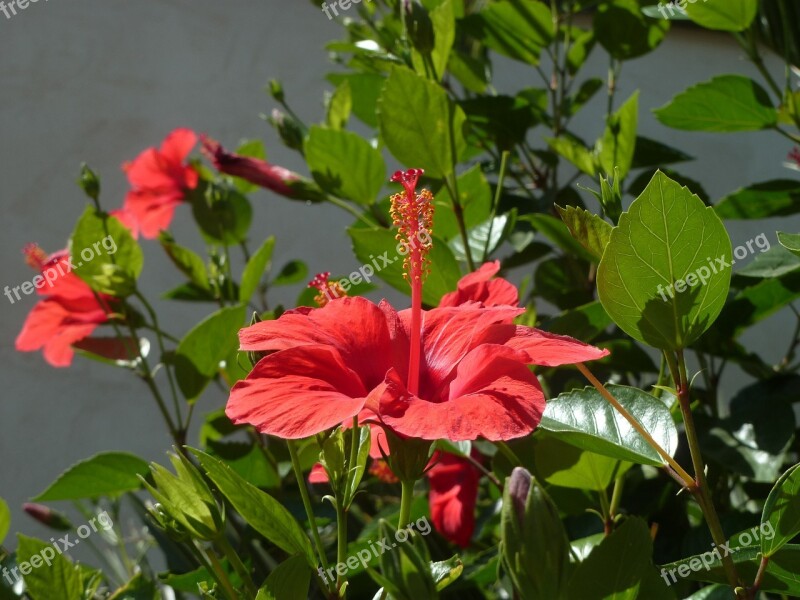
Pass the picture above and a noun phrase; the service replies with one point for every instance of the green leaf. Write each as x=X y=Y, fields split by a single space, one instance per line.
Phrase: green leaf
x=443 y=20
x=222 y=213
x=575 y=152
x=514 y=28
x=374 y=246
x=617 y=567
x=623 y=30
x=584 y=322
x=776 y=198
x=255 y=268
x=584 y=419
x=105 y=474
x=475 y=198
x=5 y=520
x=617 y=146
x=339 y=106
x=199 y=354
x=782 y=512
x=725 y=103
x=138 y=588
x=558 y=233
x=651 y=153
x=790 y=241
x=562 y=464
x=445 y=572
x=260 y=510
x=292 y=272
x=187 y=261
x=105 y=254
x=780 y=576
x=723 y=15
x=290 y=579
x=658 y=278
x=420 y=124
x=48 y=574
x=345 y=164
x=774 y=262
x=590 y=230
x=365 y=90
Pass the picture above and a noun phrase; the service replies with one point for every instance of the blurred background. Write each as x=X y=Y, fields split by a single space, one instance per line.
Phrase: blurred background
x=100 y=80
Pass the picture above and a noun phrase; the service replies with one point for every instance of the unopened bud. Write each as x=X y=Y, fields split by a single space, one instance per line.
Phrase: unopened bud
x=47 y=516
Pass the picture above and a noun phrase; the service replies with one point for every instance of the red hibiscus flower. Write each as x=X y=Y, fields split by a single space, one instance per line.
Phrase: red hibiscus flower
x=159 y=179
x=254 y=170
x=69 y=312
x=455 y=372
x=453 y=495
x=480 y=287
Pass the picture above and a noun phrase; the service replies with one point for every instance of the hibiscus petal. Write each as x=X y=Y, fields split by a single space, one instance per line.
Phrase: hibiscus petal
x=153 y=211
x=493 y=396
x=550 y=349
x=58 y=350
x=178 y=144
x=318 y=474
x=297 y=393
x=479 y=286
x=354 y=326
x=453 y=496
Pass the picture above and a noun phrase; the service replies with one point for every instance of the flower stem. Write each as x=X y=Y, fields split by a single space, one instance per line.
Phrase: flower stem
x=298 y=473
x=407 y=495
x=220 y=575
x=498 y=192
x=341 y=542
x=700 y=488
x=237 y=565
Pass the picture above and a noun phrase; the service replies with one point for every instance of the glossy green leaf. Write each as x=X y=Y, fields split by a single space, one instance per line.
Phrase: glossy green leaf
x=584 y=419
x=514 y=28
x=782 y=512
x=617 y=567
x=375 y=246
x=780 y=576
x=5 y=520
x=790 y=241
x=657 y=278
x=48 y=574
x=256 y=267
x=261 y=511
x=105 y=254
x=723 y=15
x=345 y=164
x=420 y=124
x=776 y=198
x=199 y=354
x=625 y=33
x=725 y=103
x=590 y=230
x=617 y=146
x=105 y=474
x=290 y=579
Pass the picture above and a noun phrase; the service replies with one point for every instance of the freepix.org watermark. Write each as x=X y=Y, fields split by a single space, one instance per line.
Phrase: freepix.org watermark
x=337 y=5
x=703 y=274
x=675 y=7
x=375 y=549
x=50 y=275
x=9 y=9
x=708 y=559
x=48 y=554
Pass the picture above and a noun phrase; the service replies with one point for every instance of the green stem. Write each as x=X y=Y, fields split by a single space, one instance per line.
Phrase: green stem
x=616 y=496
x=237 y=565
x=345 y=206
x=700 y=489
x=341 y=543
x=301 y=483
x=451 y=184
x=406 y=497
x=355 y=438
x=220 y=575
x=497 y=193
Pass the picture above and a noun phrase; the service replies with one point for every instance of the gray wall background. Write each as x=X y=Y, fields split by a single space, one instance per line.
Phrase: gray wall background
x=100 y=80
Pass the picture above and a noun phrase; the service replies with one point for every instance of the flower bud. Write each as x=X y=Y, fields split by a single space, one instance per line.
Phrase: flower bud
x=47 y=516
x=290 y=130
x=89 y=182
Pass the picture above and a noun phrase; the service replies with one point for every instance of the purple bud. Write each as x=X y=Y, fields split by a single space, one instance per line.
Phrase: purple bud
x=519 y=486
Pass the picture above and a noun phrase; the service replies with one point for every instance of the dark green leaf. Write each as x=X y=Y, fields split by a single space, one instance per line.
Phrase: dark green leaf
x=105 y=474
x=782 y=512
x=475 y=198
x=651 y=153
x=187 y=261
x=790 y=241
x=777 y=198
x=623 y=30
x=774 y=262
x=290 y=579
x=514 y=28
x=292 y=272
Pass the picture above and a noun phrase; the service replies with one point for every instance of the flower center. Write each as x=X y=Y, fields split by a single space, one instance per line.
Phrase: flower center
x=35 y=257
x=412 y=214
x=328 y=290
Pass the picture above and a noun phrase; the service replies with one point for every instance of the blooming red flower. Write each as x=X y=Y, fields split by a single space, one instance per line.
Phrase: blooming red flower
x=159 y=179
x=453 y=495
x=453 y=372
x=69 y=312
x=480 y=287
x=254 y=170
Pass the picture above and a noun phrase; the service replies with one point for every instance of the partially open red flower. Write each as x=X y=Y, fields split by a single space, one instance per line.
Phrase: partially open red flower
x=453 y=495
x=69 y=312
x=159 y=179
x=480 y=286
x=254 y=170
